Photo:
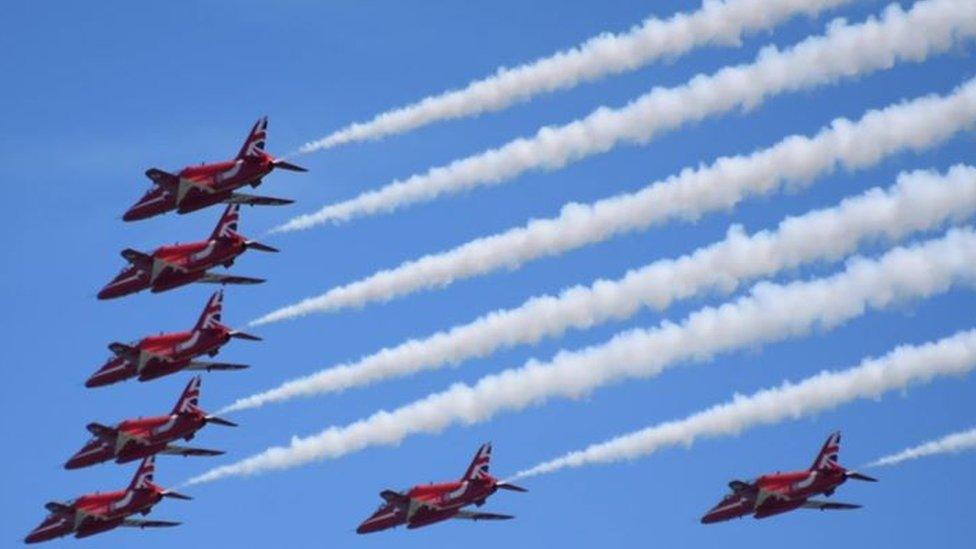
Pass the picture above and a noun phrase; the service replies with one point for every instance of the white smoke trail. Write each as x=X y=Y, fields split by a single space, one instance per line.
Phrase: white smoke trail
x=920 y=200
x=771 y=312
x=796 y=161
x=722 y=23
x=929 y=27
x=898 y=369
x=956 y=442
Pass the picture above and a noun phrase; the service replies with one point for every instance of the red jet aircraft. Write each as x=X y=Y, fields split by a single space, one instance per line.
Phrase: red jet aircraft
x=430 y=503
x=179 y=264
x=163 y=354
x=135 y=439
x=781 y=492
x=196 y=187
x=101 y=511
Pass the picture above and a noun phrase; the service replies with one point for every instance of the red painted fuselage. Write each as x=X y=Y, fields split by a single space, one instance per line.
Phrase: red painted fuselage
x=138 y=438
x=94 y=513
x=445 y=500
x=197 y=187
x=776 y=493
x=160 y=355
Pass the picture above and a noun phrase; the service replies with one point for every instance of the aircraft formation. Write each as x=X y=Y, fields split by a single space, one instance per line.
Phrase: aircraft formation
x=151 y=357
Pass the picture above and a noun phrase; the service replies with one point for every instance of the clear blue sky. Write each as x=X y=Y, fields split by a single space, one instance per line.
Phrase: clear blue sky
x=95 y=93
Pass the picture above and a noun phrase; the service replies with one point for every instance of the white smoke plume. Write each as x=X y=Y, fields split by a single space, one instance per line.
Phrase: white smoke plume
x=770 y=312
x=719 y=23
x=795 y=161
x=956 y=442
x=904 y=366
x=845 y=51
x=918 y=201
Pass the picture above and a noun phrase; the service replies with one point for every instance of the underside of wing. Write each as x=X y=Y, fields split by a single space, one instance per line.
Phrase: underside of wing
x=474 y=515
x=210 y=366
x=829 y=505
x=214 y=278
x=253 y=200
x=184 y=451
x=138 y=523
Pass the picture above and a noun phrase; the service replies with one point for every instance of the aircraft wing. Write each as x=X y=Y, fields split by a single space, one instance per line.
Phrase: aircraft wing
x=828 y=505
x=214 y=278
x=209 y=366
x=474 y=515
x=103 y=432
x=139 y=523
x=174 y=450
x=252 y=200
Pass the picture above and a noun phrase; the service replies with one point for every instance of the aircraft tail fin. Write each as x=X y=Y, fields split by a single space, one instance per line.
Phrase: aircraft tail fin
x=143 y=479
x=190 y=399
x=254 y=145
x=227 y=225
x=479 y=464
x=210 y=316
x=827 y=458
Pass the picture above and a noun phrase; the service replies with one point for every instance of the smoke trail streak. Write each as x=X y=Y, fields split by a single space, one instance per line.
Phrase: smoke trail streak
x=721 y=23
x=796 y=161
x=771 y=312
x=956 y=442
x=845 y=51
x=918 y=201
x=904 y=366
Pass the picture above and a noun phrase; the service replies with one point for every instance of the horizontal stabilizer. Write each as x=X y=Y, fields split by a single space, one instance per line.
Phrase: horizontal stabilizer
x=255 y=245
x=473 y=515
x=172 y=450
x=243 y=335
x=512 y=487
x=829 y=505
x=281 y=164
x=175 y=495
x=253 y=200
x=214 y=278
x=210 y=366
x=860 y=476
x=220 y=421
x=139 y=523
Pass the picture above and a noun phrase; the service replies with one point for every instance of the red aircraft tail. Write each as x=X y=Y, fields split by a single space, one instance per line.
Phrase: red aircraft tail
x=827 y=458
x=479 y=465
x=227 y=225
x=190 y=399
x=143 y=479
x=254 y=145
x=210 y=316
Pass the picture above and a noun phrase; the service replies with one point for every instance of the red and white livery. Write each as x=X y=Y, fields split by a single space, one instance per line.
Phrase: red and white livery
x=430 y=503
x=102 y=511
x=159 y=355
x=139 y=438
x=176 y=265
x=196 y=187
x=781 y=492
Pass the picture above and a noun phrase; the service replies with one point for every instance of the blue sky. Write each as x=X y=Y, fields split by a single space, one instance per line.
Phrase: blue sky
x=96 y=94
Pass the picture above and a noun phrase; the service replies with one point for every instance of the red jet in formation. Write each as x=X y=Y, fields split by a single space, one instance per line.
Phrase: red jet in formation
x=179 y=264
x=102 y=511
x=430 y=503
x=781 y=492
x=164 y=354
x=196 y=187
x=134 y=439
